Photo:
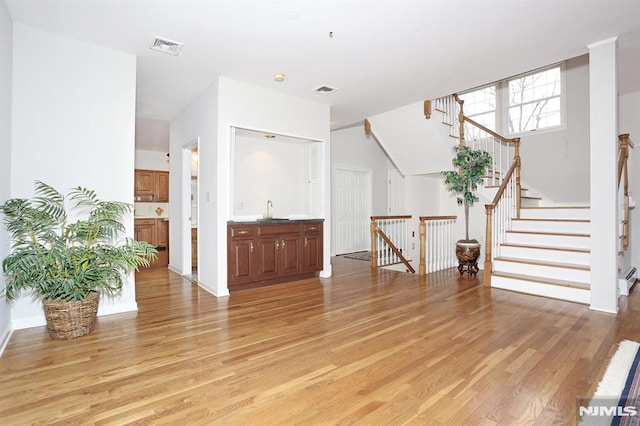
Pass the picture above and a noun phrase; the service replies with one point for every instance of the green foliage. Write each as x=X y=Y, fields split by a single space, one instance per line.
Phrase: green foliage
x=60 y=260
x=471 y=165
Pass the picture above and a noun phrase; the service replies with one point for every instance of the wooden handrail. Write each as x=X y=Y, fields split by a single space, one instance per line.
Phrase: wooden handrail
x=491 y=132
x=504 y=184
x=393 y=248
x=423 y=218
x=390 y=217
x=623 y=166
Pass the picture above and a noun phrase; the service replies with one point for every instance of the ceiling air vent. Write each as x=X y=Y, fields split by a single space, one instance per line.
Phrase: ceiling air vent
x=324 y=89
x=167 y=46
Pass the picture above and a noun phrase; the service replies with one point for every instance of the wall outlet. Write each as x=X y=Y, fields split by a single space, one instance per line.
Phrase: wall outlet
x=241 y=205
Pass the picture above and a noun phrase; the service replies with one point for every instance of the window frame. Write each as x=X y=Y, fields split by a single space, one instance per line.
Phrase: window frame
x=502 y=102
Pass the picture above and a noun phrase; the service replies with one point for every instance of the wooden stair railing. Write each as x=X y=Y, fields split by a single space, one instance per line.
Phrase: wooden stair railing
x=437 y=247
x=507 y=201
x=623 y=177
x=396 y=255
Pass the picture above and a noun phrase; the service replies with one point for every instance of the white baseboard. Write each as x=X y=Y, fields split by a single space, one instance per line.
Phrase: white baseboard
x=4 y=339
x=103 y=309
x=627 y=281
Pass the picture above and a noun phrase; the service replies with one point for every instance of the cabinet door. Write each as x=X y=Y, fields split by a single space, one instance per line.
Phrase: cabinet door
x=162 y=233
x=145 y=182
x=267 y=261
x=241 y=262
x=162 y=187
x=145 y=230
x=289 y=254
x=312 y=251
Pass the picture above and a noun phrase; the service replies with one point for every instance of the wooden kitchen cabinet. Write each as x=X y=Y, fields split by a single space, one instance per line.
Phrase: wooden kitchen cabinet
x=194 y=247
x=312 y=247
x=156 y=233
x=240 y=255
x=151 y=186
x=272 y=252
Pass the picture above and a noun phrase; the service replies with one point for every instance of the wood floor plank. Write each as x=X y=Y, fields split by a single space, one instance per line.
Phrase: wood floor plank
x=369 y=347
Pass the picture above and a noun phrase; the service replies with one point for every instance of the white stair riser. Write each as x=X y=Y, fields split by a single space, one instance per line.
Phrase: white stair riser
x=554 y=272
x=541 y=289
x=563 y=256
x=528 y=202
x=551 y=226
x=548 y=240
x=555 y=213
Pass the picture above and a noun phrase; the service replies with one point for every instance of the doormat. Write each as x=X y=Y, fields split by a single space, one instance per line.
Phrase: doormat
x=617 y=399
x=360 y=255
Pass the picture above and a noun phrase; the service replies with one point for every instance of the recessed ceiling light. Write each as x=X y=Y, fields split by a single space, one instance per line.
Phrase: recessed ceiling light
x=279 y=77
x=269 y=136
x=167 y=46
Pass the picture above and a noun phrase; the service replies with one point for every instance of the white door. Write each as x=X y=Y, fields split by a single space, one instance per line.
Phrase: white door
x=352 y=210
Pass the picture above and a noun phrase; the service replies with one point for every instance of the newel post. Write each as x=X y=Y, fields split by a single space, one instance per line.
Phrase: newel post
x=516 y=142
x=460 y=117
x=374 y=252
x=486 y=281
x=422 y=267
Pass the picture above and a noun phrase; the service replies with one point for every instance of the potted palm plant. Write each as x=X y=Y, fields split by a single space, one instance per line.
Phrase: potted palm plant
x=470 y=169
x=68 y=263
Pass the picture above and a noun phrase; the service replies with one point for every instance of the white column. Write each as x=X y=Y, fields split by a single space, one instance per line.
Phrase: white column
x=603 y=162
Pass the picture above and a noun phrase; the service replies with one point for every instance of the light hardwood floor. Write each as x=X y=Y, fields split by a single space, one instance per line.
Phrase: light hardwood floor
x=362 y=347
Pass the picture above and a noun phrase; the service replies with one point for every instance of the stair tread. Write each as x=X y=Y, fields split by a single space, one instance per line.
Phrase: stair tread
x=552 y=281
x=567 y=234
x=547 y=219
x=533 y=246
x=528 y=197
x=545 y=263
x=555 y=207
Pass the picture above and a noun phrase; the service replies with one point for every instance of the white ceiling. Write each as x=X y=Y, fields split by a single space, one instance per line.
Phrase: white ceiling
x=382 y=54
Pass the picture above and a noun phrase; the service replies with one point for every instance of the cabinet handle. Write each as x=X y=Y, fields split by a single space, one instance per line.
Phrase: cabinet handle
x=313 y=228
x=251 y=246
x=305 y=241
x=282 y=243
x=277 y=245
x=243 y=232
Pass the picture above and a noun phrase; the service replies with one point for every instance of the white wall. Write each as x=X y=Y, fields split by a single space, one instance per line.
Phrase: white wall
x=152 y=135
x=198 y=120
x=551 y=157
x=73 y=124
x=414 y=144
x=352 y=147
x=629 y=113
x=151 y=160
x=6 y=63
x=270 y=170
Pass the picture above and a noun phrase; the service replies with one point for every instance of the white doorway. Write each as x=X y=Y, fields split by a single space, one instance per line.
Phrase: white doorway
x=351 y=209
x=190 y=167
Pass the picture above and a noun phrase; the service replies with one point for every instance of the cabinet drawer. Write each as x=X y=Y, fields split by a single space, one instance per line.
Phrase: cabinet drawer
x=312 y=228
x=241 y=231
x=278 y=230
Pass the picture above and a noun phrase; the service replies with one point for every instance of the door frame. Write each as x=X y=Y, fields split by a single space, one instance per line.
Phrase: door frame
x=350 y=168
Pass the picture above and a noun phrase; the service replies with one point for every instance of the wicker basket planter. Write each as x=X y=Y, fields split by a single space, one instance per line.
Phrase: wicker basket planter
x=68 y=320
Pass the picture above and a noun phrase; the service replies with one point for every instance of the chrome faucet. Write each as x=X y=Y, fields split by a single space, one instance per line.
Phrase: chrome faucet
x=269 y=204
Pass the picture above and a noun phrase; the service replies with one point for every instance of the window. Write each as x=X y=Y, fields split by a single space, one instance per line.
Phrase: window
x=534 y=101
x=524 y=103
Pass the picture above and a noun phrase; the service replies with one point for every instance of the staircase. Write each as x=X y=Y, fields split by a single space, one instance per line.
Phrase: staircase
x=546 y=253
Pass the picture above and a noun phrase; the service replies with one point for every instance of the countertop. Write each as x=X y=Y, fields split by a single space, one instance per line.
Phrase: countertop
x=271 y=221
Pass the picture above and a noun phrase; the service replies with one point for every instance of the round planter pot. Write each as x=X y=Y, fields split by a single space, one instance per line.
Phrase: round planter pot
x=467 y=252
x=68 y=320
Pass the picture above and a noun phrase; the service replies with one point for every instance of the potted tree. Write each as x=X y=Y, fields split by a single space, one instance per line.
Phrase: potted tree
x=471 y=167
x=67 y=263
